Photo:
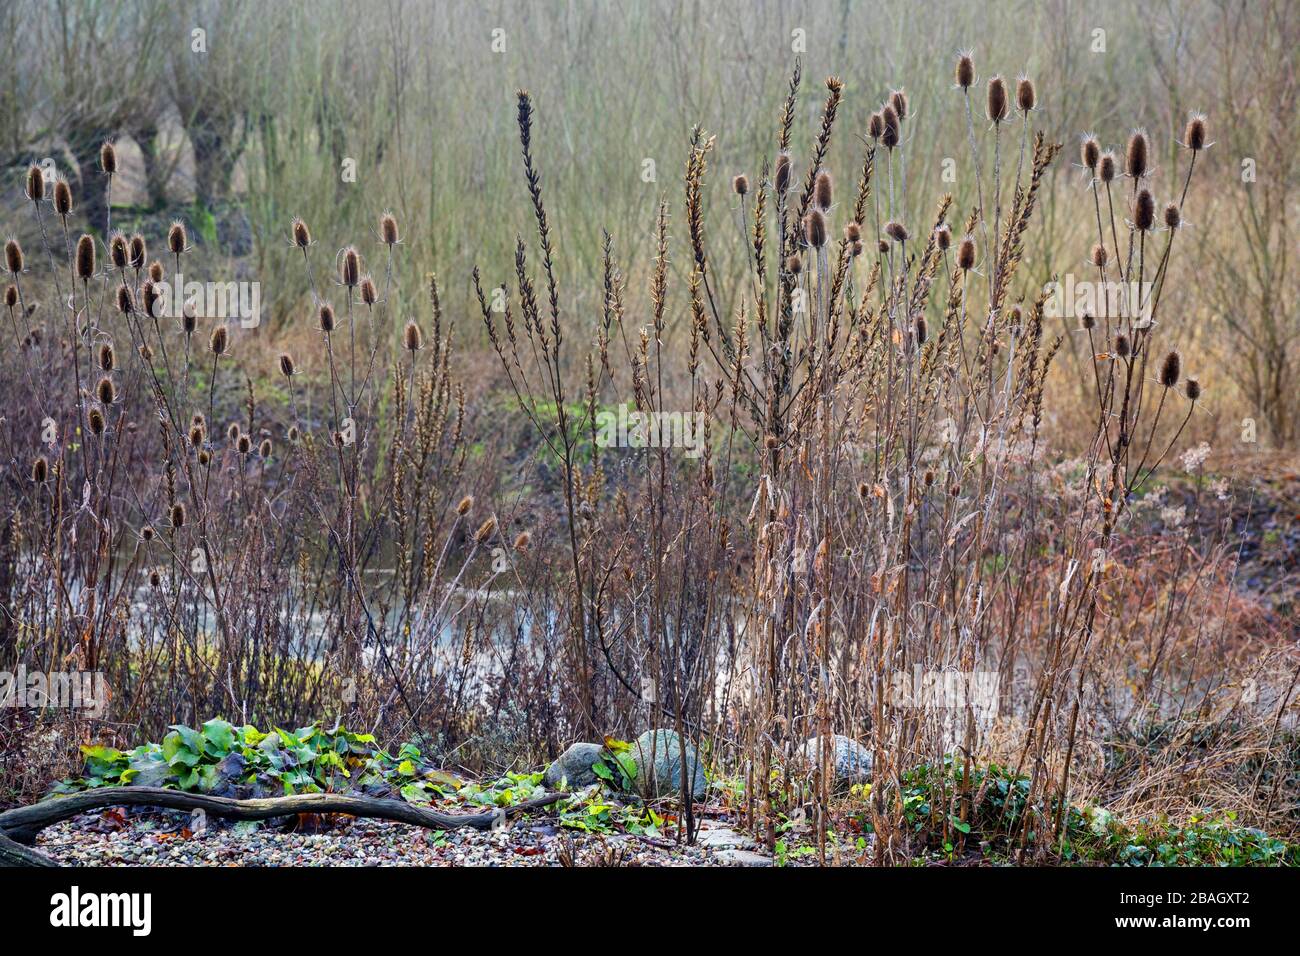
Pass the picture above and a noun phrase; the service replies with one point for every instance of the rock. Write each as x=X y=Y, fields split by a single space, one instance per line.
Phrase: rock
x=743 y=858
x=852 y=760
x=658 y=757
x=723 y=838
x=574 y=766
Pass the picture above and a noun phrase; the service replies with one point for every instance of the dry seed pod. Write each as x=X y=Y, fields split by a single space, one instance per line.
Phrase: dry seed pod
x=178 y=515
x=1173 y=216
x=108 y=158
x=740 y=185
x=1026 y=96
x=896 y=231
x=1106 y=167
x=301 y=234
x=139 y=253
x=107 y=358
x=996 y=101
x=13 y=256
x=464 y=505
x=35 y=183
x=264 y=448
x=96 y=421
x=1171 y=369
x=965 y=71
x=1090 y=152
x=485 y=530
x=823 y=191
x=40 y=470
x=85 y=258
x=125 y=304
x=350 y=267
x=782 y=178
x=388 y=229
x=815 y=228
x=898 y=100
x=369 y=295
x=156 y=271
x=219 y=340
x=522 y=541
x=1137 y=155
x=891 y=134
x=177 y=239
x=118 y=252
x=876 y=126
x=1193 y=389
x=966 y=253
x=793 y=264
x=244 y=444
x=1194 y=135
x=286 y=365
x=943 y=236
x=412 y=338
x=1099 y=255
x=325 y=316
x=189 y=320
x=1144 y=210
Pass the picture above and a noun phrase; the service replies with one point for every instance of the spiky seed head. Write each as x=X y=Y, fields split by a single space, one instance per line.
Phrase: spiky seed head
x=966 y=253
x=35 y=183
x=1015 y=317
x=1144 y=210
x=150 y=298
x=147 y=532
x=485 y=530
x=119 y=252
x=140 y=252
x=293 y=434
x=108 y=158
x=943 y=236
x=301 y=234
x=1121 y=345
x=156 y=271
x=876 y=126
x=286 y=365
x=891 y=134
x=11 y=296
x=264 y=448
x=219 y=340
x=882 y=246
x=388 y=229
x=815 y=228
x=1088 y=321
x=965 y=71
x=146 y=352
x=996 y=100
x=85 y=258
x=96 y=421
x=189 y=320
x=412 y=338
x=853 y=232
x=464 y=505
x=155 y=579
x=928 y=478
x=793 y=264
x=13 y=256
x=196 y=435
x=40 y=470
x=350 y=267
x=1026 y=95
x=922 y=330
x=1106 y=167
x=178 y=516
x=896 y=231
x=177 y=239
x=898 y=100
x=205 y=456
x=1090 y=152
x=1173 y=216
x=1193 y=387
x=244 y=444
x=325 y=316
x=855 y=249
x=105 y=391
x=107 y=357
x=823 y=191
x=1194 y=135
x=1137 y=155
x=233 y=431
x=1171 y=369
x=522 y=541
x=62 y=198
x=369 y=295
x=1099 y=255
x=740 y=184
x=782 y=178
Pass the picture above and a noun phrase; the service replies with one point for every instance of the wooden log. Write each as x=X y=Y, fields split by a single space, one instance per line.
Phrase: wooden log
x=22 y=824
x=15 y=854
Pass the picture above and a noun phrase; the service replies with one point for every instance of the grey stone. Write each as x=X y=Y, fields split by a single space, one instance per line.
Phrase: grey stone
x=852 y=760
x=723 y=838
x=574 y=766
x=743 y=858
x=658 y=757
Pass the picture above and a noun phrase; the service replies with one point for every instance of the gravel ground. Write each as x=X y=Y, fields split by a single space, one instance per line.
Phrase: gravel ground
x=164 y=838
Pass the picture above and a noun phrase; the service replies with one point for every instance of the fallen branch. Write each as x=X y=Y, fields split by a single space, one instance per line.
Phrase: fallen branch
x=21 y=824
x=15 y=854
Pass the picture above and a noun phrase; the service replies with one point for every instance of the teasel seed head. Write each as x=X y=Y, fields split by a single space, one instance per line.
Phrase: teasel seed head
x=219 y=340
x=62 y=198
x=11 y=296
x=1173 y=216
x=882 y=246
x=1194 y=135
x=301 y=234
x=1088 y=321
x=369 y=295
x=150 y=299
x=13 y=256
x=966 y=253
x=996 y=101
x=965 y=71
x=1099 y=255
x=108 y=158
x=293 y=434
x=1171 y=369
x=1121 y=345
x=156 y=273
x=244 y=443
x=781 y=180
x=204 y=457
x=1137 y=154
x=412 y=338
x=1106 y=167
x=146 y=352
x=155 y=579
x=876 y=126
x=1026 y=95
x=891 y=133
x=1090 y=152
x=863 y=489
x=178 y=515
x=896 y=231
x=147 y=532
x=1144 y=210
x=1193 y=387
x=943 y=236
x=823 y=191
x=740 y=184
x=898 y=100
x=125 y=304
x=485 y=530
x=119 y=252
x=189 y=320
x=35 y=183
x=853 y=232
x=922 y=330
x=388 y=229
x=350 y=267
x=522 y=540
x=40 y=470
x=325 y=316
x=196 y=435
x=107 y=357
x=855 y=249
x=815 y=228
x=264 y=448
x=464 y=505
x=177 y=239
x=793 y=265
x=140 y=252
x=928 y=478
x=96 y=421
x=85 y=258
x=105 y=391
x=287 y=368
x=233 y=431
